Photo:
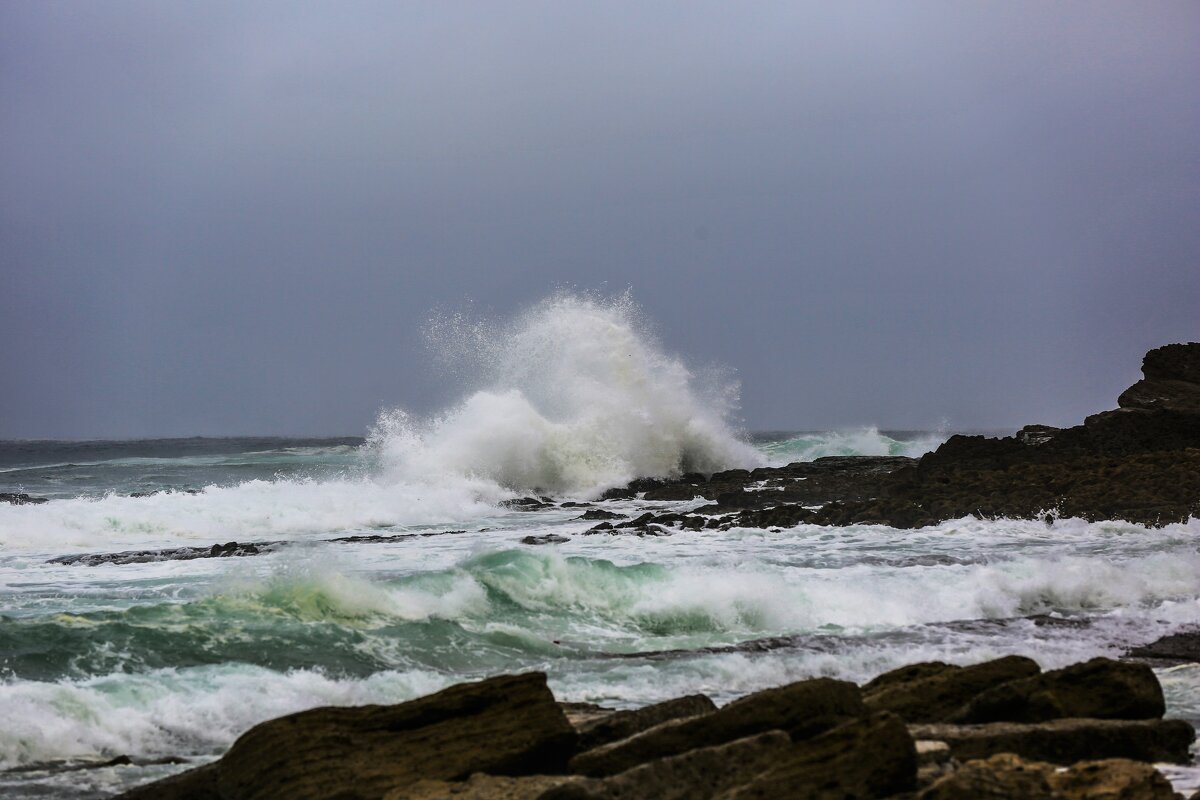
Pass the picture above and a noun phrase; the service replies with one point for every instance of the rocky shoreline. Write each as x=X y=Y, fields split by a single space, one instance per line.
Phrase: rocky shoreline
x=934 y=731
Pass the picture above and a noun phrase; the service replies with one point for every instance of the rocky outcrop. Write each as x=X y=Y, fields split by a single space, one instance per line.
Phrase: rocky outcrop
x=934 y=692
x=1066 y=741
x=1100 y=689
x=799 y=709
x=21 y=499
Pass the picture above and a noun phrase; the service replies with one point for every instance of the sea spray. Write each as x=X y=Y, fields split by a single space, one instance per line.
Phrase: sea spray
x=571 y=397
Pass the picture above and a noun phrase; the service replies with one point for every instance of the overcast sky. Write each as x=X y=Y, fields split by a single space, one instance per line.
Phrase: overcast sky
x=223 y=218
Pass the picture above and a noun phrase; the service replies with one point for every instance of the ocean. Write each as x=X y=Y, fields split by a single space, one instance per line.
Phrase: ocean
x=168 y=660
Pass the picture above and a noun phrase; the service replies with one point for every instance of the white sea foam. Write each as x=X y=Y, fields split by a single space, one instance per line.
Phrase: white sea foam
x=251 y=511
x=867 y=441
x=172 y=711
x=574 y=396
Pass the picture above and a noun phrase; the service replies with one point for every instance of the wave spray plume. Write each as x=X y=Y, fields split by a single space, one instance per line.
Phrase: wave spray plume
x=574 y=396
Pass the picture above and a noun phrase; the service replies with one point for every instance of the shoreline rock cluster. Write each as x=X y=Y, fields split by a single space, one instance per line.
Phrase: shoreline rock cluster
x=1139 y=463
x=931 y=731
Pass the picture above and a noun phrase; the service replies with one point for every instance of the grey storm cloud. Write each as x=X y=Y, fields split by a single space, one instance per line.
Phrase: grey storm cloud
x=237 y=217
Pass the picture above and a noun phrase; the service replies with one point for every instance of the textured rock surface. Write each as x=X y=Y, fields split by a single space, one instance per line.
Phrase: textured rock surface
x=800 y=709
x=623 y=724
x=700 y=774
x=933 y=692
x=1008 y=777
x=869 y=757
x=1066 y=741
x=195 y=784
x=1100 y=689
x=481 y=787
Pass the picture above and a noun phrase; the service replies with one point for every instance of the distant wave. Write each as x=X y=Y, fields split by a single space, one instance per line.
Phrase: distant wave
x=868 y=441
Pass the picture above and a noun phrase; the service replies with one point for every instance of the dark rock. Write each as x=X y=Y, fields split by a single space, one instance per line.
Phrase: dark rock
x=623 y=724
x=195 y=784
x=934 y=692
x=864 y=758
x=548 y=538
x=172 y=554
x=21 y=499
x=799 y=709
x=674 y=491
x=1099 y=689
x=697 y=774
x=1065 y=741
x=1036 y=434
x=526 y=503
x=600 y=513
x=508 y=725
x=1178 y=647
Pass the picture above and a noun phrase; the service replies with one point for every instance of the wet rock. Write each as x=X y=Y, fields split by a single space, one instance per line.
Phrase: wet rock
x=527 y=503
x=673 y=491
x=623 y=724
x=800 y=709
x=1100 y=689
x=171 y=554
x=864 y=758
x=1066 y=741
x=933 y=692
x=508 y=725
x=1007 y=777
x=1178 y=647
x=547 y=538
x=600 y=513
x=21 y=499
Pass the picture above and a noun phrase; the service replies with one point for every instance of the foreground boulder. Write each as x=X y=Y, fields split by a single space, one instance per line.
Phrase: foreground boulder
x=508 y=725
x=1008 y=777
x=799 y=709
x=1066 y=741
x=933 y=691
x=1100 y=688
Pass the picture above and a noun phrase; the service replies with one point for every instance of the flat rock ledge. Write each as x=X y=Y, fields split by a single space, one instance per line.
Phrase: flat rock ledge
x=901 y=735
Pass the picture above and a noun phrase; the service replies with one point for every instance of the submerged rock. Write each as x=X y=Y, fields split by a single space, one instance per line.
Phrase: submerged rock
x=21 y=499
